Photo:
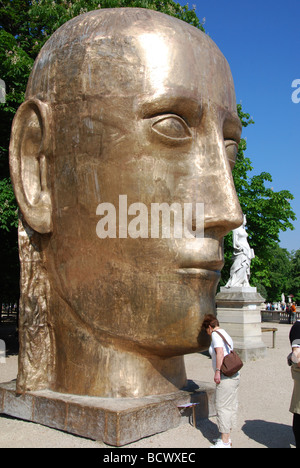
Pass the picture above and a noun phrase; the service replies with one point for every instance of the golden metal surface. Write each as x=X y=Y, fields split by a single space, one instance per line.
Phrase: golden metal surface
x=120 y=102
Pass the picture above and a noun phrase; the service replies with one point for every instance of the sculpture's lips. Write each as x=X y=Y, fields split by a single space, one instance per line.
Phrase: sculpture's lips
x=203 y=254
x=203 y=264
x=201 y=273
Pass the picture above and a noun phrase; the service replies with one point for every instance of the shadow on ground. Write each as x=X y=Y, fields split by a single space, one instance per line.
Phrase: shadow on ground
x=269 y=434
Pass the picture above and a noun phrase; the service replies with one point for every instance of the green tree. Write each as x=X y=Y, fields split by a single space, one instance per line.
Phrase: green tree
x=294 y=285
x=280 y=274
x=9 y=258
x=284 y=274
x=268 y=213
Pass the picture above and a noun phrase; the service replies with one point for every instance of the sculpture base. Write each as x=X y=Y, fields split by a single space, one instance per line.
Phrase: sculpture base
x=238 y=311
x=116 y=422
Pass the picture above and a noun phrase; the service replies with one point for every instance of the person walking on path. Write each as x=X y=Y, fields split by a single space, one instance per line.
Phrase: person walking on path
x=226 y=387
x=294 y=312
x=294 y=361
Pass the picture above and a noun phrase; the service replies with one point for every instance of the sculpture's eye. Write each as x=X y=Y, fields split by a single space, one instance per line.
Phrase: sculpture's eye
x=232 y=149
x=172 y=127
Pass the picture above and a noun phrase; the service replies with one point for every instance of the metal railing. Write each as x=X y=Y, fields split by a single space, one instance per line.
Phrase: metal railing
x=278 y=316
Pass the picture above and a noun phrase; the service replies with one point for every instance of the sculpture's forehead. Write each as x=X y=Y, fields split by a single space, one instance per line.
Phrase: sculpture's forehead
x=158 y=56
x=159 y=63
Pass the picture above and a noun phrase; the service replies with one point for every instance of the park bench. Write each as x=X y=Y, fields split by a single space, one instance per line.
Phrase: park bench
x=189 y=405
x=270 y=329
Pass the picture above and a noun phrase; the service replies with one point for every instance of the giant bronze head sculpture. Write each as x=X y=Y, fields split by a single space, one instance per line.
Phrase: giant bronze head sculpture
x=125 y=108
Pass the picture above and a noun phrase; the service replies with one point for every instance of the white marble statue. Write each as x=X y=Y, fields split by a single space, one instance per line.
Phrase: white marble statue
x=242 y=256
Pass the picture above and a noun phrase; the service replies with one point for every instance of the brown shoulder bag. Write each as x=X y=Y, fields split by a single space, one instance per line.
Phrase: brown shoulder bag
x=232 y=363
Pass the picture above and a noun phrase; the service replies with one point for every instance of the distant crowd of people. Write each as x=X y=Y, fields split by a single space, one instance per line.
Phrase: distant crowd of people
x=290 y=308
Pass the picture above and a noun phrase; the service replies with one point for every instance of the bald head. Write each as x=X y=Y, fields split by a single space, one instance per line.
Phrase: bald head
x=127 y=51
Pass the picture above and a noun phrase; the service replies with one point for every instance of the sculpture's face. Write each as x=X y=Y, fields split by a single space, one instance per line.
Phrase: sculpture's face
x=155 y=121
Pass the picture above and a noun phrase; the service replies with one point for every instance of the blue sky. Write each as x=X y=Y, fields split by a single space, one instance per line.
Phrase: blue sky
x=261 y=41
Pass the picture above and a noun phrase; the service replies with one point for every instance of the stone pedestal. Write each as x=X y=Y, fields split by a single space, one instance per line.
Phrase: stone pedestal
x=116 y=421
x=238 y=311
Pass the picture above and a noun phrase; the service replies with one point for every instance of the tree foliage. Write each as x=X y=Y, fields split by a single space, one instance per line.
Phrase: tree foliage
x=268 y=213
x=285 y=273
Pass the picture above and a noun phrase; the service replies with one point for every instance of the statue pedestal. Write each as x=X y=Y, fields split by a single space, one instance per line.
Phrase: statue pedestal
x=115 y=421
x=238 y=311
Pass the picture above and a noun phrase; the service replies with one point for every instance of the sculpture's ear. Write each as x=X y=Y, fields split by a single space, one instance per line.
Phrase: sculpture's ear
x=30 y=151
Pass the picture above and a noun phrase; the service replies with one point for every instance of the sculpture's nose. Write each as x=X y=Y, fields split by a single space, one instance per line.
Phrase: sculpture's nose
x=222 y=210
